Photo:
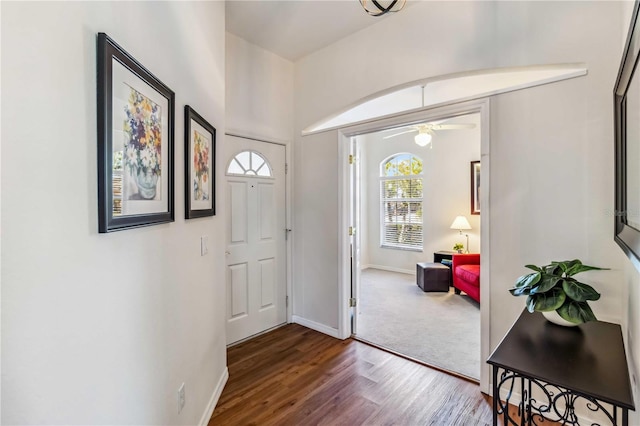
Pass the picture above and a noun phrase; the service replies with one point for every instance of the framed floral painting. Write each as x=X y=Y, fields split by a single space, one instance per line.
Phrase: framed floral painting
x=199 y=155
x=135 y=142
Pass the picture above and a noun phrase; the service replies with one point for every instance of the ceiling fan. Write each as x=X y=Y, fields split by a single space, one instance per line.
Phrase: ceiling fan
x=427 y=130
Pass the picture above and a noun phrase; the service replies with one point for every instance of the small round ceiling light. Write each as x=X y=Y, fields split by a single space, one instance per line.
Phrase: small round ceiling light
x=423 y=138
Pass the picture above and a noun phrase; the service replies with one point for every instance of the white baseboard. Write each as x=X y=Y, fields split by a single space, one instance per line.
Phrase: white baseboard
x=390 y=269
x=333 y=332
x=208 y=412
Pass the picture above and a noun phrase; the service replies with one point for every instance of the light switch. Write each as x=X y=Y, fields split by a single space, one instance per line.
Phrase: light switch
x=204 y=245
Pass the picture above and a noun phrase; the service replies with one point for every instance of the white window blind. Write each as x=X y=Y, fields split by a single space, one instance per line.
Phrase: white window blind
x=401 y=200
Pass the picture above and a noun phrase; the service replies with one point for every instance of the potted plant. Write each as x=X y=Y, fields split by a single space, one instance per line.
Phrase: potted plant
x=458 y=247
x=551 y=289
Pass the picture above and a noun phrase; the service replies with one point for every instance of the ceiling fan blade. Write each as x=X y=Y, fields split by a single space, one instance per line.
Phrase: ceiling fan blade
x=453 y=126
x=398 y=134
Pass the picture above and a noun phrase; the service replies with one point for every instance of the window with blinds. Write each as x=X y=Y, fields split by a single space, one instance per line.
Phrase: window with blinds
x=401 y=202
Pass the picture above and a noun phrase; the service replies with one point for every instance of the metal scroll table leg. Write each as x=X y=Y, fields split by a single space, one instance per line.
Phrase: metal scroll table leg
x=496 y=395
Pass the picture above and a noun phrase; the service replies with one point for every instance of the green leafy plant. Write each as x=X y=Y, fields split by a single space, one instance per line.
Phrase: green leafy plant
x=458 y=246
x=552 y=287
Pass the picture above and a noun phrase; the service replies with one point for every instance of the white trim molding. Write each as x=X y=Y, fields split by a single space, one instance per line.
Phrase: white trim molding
x=317 y=327
x=208 y=412
x=481 y=106
x=388 y=268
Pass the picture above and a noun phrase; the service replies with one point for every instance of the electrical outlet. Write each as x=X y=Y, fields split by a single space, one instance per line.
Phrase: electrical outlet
x=181 y=398
x=204 y=245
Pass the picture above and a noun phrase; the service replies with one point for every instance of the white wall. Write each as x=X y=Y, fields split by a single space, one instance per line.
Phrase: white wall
x=103 y=328
x=259 y=92
x=259 y=104
x=0 y=232
x=551 y=146
x=631 y=308
x=446 y=187
x=315 y=270
x=552 y=157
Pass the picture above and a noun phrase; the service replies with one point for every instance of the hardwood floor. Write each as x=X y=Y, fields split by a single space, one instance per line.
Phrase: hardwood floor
x=297 y=376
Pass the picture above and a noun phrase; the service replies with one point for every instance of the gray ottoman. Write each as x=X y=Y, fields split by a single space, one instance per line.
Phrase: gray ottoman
x=432 y=276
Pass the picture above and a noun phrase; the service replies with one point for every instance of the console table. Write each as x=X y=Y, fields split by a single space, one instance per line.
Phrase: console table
x=441 y=255
x=563 y=367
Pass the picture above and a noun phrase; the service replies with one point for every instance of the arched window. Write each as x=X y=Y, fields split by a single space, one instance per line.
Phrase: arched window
x=249 y=163
x=401 y=202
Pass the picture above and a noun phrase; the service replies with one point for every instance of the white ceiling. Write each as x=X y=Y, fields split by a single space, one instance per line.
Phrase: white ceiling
x=294 y=28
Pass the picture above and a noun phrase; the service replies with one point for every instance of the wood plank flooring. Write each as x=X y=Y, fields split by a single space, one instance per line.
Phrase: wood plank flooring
x=297 y=376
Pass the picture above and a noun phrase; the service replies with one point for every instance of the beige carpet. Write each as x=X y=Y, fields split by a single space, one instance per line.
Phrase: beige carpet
x=441 y=329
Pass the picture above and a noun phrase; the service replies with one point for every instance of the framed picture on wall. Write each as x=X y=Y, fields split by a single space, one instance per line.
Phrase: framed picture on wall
x=199 y=156
x=135 y=142
x=475 y=187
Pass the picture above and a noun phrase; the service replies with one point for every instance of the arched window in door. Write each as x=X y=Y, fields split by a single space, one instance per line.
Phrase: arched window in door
x=401 y=202
x=249 y=163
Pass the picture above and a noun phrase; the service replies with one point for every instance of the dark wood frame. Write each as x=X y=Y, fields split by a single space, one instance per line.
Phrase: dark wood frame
x=189 y=115
x=627 y=237
x=108 y=50
x=474 y=209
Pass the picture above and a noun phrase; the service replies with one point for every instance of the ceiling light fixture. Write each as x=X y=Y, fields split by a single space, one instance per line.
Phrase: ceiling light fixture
x=423 y=138
x=379 y=8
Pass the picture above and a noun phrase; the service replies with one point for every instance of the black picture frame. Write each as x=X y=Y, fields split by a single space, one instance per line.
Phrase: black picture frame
x=475 y=187
x=627 y=211
x=199 y=165
x=135 y=142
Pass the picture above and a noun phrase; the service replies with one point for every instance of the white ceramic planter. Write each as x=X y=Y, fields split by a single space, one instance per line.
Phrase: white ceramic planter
x=557 y=319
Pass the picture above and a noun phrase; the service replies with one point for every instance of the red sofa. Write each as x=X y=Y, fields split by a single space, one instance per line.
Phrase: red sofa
x=465 y=269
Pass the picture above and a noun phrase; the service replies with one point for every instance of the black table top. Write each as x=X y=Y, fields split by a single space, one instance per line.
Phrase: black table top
x=587 y=359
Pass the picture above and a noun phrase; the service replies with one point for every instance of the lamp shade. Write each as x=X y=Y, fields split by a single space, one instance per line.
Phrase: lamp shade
x=423 y=139
x=460 y=222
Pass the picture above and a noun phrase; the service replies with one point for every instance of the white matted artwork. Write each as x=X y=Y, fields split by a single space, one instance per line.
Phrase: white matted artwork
x=135 y=142
x=140 y=129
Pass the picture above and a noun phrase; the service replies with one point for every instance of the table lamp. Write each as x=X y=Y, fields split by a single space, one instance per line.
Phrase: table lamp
x=460 y=223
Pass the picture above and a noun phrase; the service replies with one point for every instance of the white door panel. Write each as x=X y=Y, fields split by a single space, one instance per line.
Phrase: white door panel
x=267 y=283
x=238 y=291
x=256 y=247
x=238 y=195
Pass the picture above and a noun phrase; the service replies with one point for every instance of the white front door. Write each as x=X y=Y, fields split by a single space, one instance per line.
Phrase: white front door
x=256 y=234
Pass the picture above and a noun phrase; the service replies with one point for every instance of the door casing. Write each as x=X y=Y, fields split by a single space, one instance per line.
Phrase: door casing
x=345 y=201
